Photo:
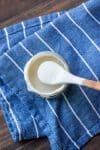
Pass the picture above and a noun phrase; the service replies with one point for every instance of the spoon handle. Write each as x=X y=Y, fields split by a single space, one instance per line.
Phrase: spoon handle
x=73 y=79
x=92 y=84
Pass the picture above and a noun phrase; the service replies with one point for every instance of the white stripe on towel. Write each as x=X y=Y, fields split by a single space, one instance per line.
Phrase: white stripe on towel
x=41 y=22
x=21 y=44
x=11 y=59
x=83 y=31
x=24 y=31
x=43 y=42
x=61 y=126
x=12 y=114
x=37 y=133
x=69 y=105
x=58 y=14
x=90 y=14
x=7 y=38
x=85 y=95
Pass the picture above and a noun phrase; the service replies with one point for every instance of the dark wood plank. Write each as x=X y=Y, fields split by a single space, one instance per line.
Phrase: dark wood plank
x=16 y=10
x=12 y=11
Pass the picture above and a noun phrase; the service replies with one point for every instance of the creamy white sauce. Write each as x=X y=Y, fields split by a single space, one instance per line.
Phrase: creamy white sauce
x=33 y=76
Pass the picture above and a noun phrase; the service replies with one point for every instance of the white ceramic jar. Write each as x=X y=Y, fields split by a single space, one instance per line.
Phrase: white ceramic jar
x=31 y=76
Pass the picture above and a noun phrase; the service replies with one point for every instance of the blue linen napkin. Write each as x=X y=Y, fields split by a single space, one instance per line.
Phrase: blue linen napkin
x=73 y=118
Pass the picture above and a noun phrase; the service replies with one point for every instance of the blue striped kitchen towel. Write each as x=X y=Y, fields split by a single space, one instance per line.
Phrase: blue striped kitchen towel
x=73 y=118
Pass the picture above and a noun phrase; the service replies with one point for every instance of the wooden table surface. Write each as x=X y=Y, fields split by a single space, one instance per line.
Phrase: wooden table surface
x=12 y=11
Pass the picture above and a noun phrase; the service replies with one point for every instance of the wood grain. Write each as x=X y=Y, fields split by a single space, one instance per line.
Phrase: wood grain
x=12 y=11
